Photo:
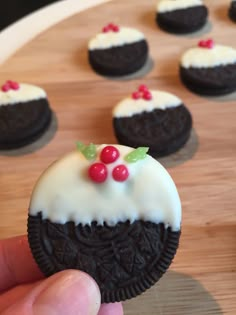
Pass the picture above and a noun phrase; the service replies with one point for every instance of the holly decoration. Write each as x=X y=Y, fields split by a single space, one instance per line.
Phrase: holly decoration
x=111 y=27
x=89 y=151
x=143 y=92
x=209 y=43
x=136 y=155
x=98 y=171
x=10 y=85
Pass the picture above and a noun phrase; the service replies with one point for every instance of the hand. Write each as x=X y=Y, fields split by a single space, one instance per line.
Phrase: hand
x=24 y=291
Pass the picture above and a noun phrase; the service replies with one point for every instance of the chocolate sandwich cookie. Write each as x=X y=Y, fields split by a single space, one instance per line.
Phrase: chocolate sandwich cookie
x=110 y=211
x=232 y=11
x=209 y=69
x=118 y=51
x=24 y=114
x=181 y=16
x=156 y=119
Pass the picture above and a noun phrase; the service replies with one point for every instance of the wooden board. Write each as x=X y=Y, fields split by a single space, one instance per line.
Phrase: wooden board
x=202 y=279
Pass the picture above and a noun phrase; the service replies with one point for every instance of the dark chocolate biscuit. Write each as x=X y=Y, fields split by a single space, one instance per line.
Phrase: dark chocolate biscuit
x=232 y=11
x=23 y=123
x=118 y=61
x=125 y=260
x=213 y=81
x=118 y=51
x=183 y=21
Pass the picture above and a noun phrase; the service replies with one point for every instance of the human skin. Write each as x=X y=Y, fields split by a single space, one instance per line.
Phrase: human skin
x=25 y=291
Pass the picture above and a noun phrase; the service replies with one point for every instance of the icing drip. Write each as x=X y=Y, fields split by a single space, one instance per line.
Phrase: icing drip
x=125 y=35
x=172 y=5
x=199 y=57
x=65 y=193
x=160 y=100
x=25 y=93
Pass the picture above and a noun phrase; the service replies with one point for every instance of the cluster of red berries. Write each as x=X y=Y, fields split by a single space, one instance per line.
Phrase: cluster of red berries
x=10 y=85
x=111 y=28
x=98 y=171
x=209 y=43
x=143 y=92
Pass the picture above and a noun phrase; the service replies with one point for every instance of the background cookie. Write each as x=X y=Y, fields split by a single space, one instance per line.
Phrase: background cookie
x=118 y=51
x=181 y=16
x=111 y=211
x=24 y=114
x=209 y=69
x=155 y=119
x=232 y=11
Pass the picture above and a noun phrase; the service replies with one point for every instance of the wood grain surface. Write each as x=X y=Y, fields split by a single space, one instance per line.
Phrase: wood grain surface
x=202 y=279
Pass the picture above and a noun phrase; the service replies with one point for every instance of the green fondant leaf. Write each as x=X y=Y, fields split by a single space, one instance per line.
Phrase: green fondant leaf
x=89 y=151
x=136 y=155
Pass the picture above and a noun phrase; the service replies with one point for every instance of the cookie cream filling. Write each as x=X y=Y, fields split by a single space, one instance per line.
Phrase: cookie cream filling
x=65 y=193
x=125 y=35
x=25 y=93
x=172 y=5
x=160 y=100
x=199 y=57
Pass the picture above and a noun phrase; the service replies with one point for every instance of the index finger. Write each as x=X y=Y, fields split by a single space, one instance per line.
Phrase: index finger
x=17 y=265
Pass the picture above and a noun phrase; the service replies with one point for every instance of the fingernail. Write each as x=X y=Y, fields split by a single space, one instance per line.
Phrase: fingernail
x=72 y=292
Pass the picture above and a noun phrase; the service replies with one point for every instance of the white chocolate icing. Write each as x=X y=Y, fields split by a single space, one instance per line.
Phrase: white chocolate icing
x=199 y=57
x=172 y=5
x=160 y=100
x=65 y=193
x=126 y=35
x=25 y=93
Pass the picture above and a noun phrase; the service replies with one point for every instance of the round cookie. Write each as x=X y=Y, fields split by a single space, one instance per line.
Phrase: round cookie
x=209 y=69
x=118 y=51
x=156 y=119
x=24 y=114
x=181 y=16
x=109 y=210
x=232 y=11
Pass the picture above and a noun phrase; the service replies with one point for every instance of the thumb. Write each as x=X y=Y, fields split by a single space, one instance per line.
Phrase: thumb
x=68 y=292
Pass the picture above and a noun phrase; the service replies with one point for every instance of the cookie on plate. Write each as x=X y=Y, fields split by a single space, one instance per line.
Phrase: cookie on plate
x=232 y=10
x=118 y=51
x=24 y=114
x=181 y=16
x=156 y=119
x=109 y=210
x=209 y=69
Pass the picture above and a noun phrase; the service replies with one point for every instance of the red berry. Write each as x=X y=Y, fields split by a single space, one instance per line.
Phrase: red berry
x=98 y=172
x=6 y=87
x=115 y=28
x=109 y=154
x=111 y=25
x=120 y=173
x=136 y=95
x=143 y=88
x=210 y=43
x=147 y=96
x=14 y=85
x=202 y=43
x=105 y=29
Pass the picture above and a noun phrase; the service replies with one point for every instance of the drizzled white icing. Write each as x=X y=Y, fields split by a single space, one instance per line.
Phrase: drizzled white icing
x=25 y=93
x=65 y=193
x=126 y=35
x=199 y=57
x=172 y=5
x=160 y=100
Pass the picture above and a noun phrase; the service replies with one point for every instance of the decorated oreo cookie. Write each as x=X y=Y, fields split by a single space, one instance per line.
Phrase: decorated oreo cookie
x=181 y=16
x=209 y=69
x=24 y=114
x=156 y=119
x=232 y=10
x=118 y=51
x=108 y=210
